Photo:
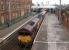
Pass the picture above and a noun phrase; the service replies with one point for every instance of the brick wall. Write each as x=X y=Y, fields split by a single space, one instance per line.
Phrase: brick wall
x=11 y=9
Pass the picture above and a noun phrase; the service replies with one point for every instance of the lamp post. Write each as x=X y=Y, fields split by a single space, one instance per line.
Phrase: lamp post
x=9 y=10
x=60 y=8
x=60 y=12
x=60 y=2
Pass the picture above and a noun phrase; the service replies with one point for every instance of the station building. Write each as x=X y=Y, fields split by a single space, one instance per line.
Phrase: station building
x=12 y=9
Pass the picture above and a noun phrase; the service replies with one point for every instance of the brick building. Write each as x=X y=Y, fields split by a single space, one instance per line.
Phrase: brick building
x=11 y=9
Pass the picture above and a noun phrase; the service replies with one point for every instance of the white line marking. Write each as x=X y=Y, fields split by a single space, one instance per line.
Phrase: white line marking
x=38 y=32
x=48 y=42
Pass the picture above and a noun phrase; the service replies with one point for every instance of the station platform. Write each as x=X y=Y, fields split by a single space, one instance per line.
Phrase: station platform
x=52 y=35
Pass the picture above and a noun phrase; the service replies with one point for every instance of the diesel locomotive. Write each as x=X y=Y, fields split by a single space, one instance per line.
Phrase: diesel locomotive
x=27 y=34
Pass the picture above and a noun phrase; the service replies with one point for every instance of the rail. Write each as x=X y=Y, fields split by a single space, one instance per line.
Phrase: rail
x=7 y=37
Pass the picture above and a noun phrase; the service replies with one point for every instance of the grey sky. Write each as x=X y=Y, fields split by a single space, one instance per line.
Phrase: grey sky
x=51 y=1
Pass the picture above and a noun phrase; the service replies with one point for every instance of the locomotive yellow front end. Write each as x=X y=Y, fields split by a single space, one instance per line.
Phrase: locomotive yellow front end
x=24 y=39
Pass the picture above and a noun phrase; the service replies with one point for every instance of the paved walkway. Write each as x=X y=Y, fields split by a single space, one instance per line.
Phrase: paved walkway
x=52 y=35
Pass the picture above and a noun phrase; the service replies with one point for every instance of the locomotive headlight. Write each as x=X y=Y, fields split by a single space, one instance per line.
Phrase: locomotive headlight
x=24 y=39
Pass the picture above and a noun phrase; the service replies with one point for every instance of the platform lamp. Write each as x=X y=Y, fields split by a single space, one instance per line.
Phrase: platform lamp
x=9 y=9
x=60 y=12
x=60 y=8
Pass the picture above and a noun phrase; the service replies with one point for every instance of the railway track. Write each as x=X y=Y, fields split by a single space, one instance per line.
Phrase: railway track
x=30 y=28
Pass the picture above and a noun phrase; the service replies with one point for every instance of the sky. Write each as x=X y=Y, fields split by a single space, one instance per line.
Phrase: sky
x=50 y=2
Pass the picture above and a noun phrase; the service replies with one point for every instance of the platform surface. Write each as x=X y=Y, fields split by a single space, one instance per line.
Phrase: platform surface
x=52 y=35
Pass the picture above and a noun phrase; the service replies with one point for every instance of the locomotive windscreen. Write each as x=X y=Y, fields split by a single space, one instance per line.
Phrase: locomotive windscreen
x=39 y=16
x=32 y=23
x=23 y=32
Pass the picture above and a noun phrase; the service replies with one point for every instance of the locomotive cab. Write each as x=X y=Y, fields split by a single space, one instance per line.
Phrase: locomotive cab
x=27 y=34
x=24 y=37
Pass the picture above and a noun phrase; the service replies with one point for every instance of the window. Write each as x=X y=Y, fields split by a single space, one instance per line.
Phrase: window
x=32 y=23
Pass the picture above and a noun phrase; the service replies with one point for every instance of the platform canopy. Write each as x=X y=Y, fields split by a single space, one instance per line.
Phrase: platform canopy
x=43 y=6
